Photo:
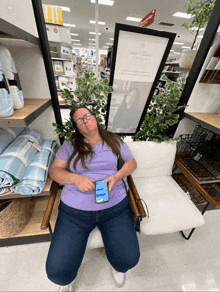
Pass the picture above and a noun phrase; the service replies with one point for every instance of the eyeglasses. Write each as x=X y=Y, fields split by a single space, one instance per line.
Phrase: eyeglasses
x=80 y=121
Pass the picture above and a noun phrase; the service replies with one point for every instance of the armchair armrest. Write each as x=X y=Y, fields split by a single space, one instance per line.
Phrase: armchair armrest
x=49 y=209
x=136 y=196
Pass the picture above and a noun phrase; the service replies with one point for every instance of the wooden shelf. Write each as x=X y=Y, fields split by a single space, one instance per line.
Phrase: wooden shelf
x=10 y=31
x=46 y=192
x=34 y=224
x=23 y=117
x=207 y=120
x=194 y=181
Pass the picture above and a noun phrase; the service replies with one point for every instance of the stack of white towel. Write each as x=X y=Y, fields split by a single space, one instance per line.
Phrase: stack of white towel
x=11 y=96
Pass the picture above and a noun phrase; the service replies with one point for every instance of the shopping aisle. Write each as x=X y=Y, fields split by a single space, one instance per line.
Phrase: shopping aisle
x=168 y=263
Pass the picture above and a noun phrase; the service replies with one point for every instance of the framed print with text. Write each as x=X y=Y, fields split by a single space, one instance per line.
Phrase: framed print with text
x=139 y=55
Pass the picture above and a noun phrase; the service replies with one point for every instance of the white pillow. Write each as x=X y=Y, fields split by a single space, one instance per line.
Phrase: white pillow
x=153 y=159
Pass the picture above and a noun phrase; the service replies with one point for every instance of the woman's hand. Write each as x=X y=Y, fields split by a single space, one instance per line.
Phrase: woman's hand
x=84 y=183
x=112 y=180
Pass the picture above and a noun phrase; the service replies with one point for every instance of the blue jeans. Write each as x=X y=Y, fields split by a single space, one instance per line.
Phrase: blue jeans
x=71 y=233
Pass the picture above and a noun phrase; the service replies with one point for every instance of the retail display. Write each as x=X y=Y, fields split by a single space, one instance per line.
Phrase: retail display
x=36 y=173
x=7 y=135
x=6 y=101
x=58 y=67
x=9 y=69
x=17 y=156
x=68 y=68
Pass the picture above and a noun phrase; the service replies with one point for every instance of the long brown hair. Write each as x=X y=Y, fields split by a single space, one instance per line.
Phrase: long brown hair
x=85 y=149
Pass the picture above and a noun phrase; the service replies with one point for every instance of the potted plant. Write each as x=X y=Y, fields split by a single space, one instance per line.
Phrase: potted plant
x=90 y=92
x=201 y=12
x=162 y=113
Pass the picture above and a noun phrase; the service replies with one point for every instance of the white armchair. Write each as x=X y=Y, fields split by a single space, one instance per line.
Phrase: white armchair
x=170 y=208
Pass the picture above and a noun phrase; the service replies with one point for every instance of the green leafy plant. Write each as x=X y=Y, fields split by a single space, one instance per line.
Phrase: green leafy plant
x=162 y=113
x=92 y=93
x=201 y=11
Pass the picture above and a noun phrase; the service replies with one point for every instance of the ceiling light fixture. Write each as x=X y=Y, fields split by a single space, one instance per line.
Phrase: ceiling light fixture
x=73 y=40
x=185 y=47
x=106 y=47
x=111 y=39
x=177 y=53
x=99 y=22
x=133 y=19
x=109 y=44
x=76 y=34
x=182 y=15
x=76 y=44
x=92 y=32
x=68 y=25
x=104 y=2
x=67 y=9
x=92 y=39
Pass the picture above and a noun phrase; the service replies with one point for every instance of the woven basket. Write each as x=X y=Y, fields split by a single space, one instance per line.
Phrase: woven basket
x=14 y=215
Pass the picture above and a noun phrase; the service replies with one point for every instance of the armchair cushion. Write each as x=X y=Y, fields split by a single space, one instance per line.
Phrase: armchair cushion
x=153 y=159
x=170 y=208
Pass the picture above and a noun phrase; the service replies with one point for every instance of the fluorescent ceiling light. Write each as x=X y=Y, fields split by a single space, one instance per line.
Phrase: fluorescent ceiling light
x=200 y=36
x=99 y=22
x=109 y=44
x=68 y=25
x=76 y=34
x=111 y=39
x=63 y=8
x=104 y=2
x=177 y=53
x=92 y=39
x=73 y=40
x=133 y=19
x=185 y=47
x=92 y=32
x=171 y=50
x=76 y=44
x=105 y=46
x=177 y=43
x=182 y=15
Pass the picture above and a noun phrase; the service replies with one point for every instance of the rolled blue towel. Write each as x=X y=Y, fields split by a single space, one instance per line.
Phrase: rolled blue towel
x=7 y=135
x=17 y=156
x=6 y=101
x=36 y=174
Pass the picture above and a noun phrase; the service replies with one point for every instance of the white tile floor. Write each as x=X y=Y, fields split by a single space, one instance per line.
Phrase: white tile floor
x=168 y=263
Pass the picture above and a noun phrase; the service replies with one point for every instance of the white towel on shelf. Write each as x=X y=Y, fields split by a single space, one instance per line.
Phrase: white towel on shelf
x=6 y=101
x=12 y=77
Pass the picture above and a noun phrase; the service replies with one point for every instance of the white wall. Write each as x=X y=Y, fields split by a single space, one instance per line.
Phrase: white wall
x=20 y=13
x=205 y=98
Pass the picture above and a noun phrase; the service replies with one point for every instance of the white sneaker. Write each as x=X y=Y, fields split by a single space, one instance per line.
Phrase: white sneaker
x=67 y=288
x=119 y=278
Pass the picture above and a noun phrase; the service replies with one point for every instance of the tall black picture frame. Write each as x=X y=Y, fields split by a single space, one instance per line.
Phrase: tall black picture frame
x=139 y=56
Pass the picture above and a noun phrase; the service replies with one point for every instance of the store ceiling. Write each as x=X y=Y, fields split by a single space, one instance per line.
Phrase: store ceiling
x=82 y=11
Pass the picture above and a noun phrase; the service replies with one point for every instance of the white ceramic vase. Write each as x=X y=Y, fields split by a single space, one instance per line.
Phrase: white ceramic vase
x=187 y=58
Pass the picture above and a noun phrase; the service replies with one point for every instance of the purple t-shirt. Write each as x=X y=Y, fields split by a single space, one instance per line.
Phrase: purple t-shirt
x=102 y=166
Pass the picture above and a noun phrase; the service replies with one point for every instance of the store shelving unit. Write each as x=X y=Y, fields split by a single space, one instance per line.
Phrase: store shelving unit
x=23 y=117
x=212 y=76
x=210 y=121
x=33 y=108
